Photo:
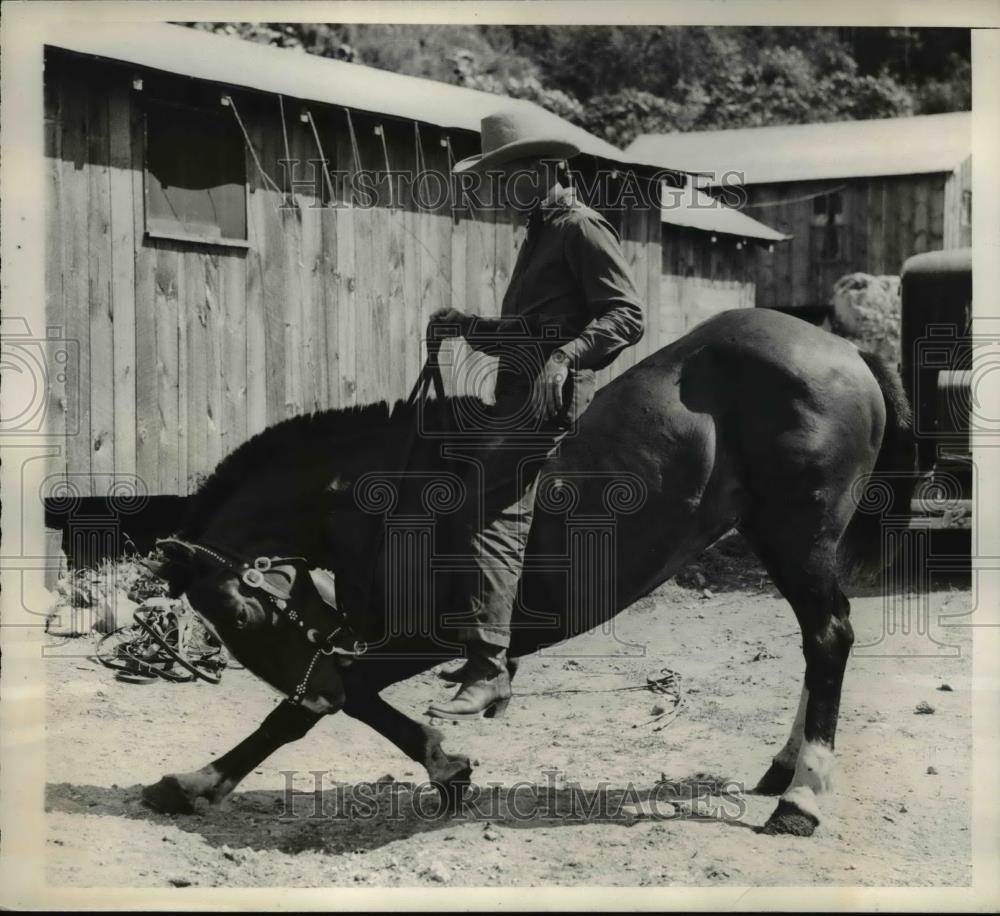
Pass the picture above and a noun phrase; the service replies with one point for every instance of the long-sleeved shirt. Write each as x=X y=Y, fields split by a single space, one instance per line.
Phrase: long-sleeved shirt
x=570 y=289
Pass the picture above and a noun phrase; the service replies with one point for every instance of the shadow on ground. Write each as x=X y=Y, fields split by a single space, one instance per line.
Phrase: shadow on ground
x=730 y=565
x=362 y=817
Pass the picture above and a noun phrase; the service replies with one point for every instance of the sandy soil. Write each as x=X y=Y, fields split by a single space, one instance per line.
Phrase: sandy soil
x=899 y=814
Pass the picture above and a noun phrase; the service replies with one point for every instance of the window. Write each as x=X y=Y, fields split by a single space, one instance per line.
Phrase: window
x=195 y=175
x=828 y=226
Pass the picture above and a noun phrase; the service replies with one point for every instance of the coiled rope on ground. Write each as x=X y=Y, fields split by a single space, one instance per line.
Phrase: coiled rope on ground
x=163 y=642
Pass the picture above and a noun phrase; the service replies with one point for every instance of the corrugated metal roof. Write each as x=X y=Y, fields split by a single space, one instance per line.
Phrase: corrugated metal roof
x=296 y=74
x=694 y=209
x=236 y=62
x=803 y=152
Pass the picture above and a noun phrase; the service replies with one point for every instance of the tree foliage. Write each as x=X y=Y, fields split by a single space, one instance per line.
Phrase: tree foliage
x=620 y=81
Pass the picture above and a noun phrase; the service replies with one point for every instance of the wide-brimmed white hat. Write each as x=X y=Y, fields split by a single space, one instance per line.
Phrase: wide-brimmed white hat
x=518 y=132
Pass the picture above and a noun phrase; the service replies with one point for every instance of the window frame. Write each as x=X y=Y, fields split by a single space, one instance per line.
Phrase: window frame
x=179 y=235
x=826 y=225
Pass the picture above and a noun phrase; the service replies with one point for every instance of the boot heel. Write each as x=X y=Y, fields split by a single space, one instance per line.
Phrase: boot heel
x=497 y=709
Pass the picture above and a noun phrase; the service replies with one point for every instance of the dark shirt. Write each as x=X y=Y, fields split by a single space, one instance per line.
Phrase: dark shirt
x=570 y=289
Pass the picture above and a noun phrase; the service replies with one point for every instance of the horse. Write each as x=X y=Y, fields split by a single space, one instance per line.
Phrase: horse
x=754 y=420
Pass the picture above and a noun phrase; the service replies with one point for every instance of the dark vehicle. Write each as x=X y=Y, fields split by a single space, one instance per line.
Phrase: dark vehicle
x=937 y=345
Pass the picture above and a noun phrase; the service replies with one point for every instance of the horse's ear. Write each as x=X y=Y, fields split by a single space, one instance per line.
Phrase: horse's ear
x=156 y=565
x=174 y=562
x=176 y=549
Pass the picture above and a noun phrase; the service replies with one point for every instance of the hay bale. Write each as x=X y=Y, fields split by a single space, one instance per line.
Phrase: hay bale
x=866 y=311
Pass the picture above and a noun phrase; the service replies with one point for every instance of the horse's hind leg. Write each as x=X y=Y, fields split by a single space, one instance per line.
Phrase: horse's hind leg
x=779 y=774
x=827 y=637
x=176 y=794
x=802 y=559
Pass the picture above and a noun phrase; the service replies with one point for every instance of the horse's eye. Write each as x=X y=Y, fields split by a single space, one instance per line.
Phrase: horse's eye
x=241 y=619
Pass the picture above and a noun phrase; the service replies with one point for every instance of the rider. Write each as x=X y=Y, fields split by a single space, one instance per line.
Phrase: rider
x=570 y=307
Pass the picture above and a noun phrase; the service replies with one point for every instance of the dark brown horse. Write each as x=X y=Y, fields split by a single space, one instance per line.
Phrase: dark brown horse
x=754 y=420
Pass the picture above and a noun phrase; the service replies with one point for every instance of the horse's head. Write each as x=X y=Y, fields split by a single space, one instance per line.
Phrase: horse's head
x=278 y=618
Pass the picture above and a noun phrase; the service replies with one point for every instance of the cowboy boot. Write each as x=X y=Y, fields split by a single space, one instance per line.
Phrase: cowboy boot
x=459 y=674
x=485 y=690
x=454 y=675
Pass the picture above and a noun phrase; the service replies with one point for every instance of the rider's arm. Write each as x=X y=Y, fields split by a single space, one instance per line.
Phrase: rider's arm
x=483 y=334
x=595 y=258
x=489 y=335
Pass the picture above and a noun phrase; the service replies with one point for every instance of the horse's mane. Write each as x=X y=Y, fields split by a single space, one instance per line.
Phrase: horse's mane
x=286 y=443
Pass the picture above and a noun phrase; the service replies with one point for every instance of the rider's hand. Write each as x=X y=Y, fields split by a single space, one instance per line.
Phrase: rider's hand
x=553 y=380
x=448 y=322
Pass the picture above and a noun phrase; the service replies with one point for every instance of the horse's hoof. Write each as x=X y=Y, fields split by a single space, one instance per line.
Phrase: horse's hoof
x=451 y=794
x=452 y=782
x=167 y=797
x=775 y=781
x=791 y=820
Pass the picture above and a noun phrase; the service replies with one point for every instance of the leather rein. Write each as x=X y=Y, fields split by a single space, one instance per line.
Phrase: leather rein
x=253 y=573
x=430 y=375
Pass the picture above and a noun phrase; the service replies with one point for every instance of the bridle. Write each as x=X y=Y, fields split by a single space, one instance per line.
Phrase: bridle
x=315 y=628
x=253 y=573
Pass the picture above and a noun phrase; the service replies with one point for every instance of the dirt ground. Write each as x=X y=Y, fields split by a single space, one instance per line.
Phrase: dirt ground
x=898 y=816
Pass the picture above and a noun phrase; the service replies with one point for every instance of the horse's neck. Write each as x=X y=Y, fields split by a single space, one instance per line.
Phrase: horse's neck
x=303 y=513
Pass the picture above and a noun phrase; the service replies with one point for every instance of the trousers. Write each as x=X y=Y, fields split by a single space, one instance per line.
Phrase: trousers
x=509 y=481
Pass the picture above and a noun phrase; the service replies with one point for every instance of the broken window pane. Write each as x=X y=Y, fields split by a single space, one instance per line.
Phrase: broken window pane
x=195 y=175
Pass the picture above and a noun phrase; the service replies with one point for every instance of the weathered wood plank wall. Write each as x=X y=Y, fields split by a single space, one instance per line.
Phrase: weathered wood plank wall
x=957 y=203
x=186 y=349
x=700 y=278
x=885 y=220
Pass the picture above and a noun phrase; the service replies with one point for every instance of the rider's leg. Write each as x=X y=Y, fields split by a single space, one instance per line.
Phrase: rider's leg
x=498 y=546
x=498 y=553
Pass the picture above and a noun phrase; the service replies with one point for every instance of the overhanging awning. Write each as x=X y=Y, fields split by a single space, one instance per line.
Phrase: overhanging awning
x=692 y=208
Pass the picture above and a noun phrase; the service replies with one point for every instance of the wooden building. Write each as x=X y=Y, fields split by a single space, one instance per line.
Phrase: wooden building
x=852 y=196
x=710 y=252
x=211 y=290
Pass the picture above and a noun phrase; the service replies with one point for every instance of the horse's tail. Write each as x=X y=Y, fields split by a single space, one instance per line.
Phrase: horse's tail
x=890 y=487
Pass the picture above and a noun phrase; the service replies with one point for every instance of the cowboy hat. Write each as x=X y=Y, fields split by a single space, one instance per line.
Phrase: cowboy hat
x=519 y=132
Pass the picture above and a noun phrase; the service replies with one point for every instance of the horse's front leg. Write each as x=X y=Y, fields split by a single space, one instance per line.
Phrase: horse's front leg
x=450 y=773
x=176 y=794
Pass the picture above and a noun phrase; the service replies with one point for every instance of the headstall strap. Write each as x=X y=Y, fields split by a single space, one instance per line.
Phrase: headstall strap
x=253 y=576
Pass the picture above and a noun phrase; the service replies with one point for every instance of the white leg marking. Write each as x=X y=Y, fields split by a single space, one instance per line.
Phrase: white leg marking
x=813 y=777
x=788 y=756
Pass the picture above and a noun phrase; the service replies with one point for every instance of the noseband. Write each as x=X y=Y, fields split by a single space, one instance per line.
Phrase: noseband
x=253 y=574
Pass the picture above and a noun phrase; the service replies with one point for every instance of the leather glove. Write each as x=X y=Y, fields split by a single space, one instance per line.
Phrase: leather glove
x=554 y=377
